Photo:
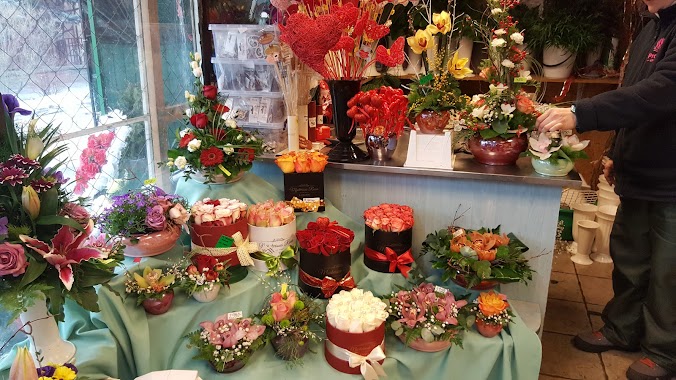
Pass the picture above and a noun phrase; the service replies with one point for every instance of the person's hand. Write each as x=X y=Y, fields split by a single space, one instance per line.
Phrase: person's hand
x=556 y=119
x=609 y=171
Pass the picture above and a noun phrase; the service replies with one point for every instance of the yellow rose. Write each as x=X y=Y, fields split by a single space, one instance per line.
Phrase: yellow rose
x=492 y=303
x=285 y=163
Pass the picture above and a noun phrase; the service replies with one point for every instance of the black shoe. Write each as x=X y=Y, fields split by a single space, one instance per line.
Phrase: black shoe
x=646 y=369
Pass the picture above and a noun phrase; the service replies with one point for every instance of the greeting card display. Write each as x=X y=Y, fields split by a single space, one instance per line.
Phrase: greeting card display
x=324 y=258
x=388 y=238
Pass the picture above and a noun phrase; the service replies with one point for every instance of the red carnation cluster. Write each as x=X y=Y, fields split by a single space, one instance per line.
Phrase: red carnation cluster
x=325 y=237
x=186 y=139
x=389 y=217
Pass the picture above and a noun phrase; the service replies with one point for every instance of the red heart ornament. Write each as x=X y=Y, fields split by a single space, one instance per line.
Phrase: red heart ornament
x=310 y=39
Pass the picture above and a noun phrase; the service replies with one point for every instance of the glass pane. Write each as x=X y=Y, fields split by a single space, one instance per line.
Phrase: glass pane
x=176 y=43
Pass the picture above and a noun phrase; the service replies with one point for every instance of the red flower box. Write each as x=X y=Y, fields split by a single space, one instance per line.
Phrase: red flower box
x=208 y=236
x=358 y=343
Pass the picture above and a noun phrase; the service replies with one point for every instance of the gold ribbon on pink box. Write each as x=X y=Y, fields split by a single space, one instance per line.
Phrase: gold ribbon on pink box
x=369 y=365
x=243 y=247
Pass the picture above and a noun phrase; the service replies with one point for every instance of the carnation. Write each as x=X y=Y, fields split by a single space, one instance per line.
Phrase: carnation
x=517 y=38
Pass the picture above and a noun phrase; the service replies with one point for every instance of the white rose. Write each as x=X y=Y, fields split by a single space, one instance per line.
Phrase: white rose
x=194 y=145
x=239 y=137
x=170 y=162
x=223 y=213
x=496 y=11
x=180 y=162
x=231 y=123
x=194 y=65
x=517 y=38
x=208 y=218
x=192 y=97
x=498 y=42
x=228 y=149
x=500 y=32
x=188 y=112
x=187 y=94
x=197 y=72
x=507 y=109
x=198 y=56
x=507 y=63
x=184 y=132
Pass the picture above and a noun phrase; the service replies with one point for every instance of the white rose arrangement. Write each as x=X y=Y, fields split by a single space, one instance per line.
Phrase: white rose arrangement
x=356 y=311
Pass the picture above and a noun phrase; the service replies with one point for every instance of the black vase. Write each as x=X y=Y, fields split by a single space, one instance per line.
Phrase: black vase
x=345 y=151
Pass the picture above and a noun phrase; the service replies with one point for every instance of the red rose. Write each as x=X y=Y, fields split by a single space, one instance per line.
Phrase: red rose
x=185 y=140
x=250 y=153
x=210 y=92
x=211 y=157
x=211 y=275
x=199 y=120
x=220 y=134
x=220 y=108
x=204 y=262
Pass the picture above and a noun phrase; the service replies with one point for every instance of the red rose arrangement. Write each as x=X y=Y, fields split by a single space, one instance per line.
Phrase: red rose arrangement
x=389 y=217
x=203 y=273
x=380 y=112
x=325 y=237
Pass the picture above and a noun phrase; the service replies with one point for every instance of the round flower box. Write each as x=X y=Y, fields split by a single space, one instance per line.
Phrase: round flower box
x=230 y=367
x=336 y=266
x=378 y=248
x=152 y=244
x=208 y=236
x=157 y=306
x=289 y=347
x=338 y=342
x=272 y=240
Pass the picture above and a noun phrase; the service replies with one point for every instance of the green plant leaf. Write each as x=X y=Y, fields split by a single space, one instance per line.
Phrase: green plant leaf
x=34 y=270
x=48 y=220
x=488 y=133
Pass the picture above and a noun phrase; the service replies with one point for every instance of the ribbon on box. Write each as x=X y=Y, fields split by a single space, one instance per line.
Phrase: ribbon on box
x=328 y=284
x=265 y=262
x=243 y=247
x=402 y=262
x=369 y=365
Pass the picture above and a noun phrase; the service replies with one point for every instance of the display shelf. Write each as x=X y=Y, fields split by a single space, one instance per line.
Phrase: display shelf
x=603 y=80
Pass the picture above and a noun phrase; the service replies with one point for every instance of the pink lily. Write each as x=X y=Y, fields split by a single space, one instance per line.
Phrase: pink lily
x=65 y=250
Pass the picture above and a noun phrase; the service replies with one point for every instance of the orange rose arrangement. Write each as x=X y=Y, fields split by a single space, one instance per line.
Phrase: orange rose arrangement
x=302 y=162
x=492 y=313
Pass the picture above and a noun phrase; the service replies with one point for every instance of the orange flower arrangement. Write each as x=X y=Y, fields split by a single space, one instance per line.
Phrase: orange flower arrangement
x=492 y=313
x=492 y=303
x=302 y=162
x=484 y=244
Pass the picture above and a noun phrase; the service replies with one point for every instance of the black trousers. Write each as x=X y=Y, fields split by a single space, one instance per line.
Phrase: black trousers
x=642 y=313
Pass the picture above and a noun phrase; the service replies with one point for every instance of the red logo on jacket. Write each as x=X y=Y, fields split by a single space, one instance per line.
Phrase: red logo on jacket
x=656 y=49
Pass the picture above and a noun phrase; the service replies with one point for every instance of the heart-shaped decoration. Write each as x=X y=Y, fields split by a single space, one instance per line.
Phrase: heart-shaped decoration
x=310 y=39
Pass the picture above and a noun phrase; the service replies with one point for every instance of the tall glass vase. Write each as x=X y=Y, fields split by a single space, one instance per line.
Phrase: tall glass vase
x=345 y=151
x=45 y=337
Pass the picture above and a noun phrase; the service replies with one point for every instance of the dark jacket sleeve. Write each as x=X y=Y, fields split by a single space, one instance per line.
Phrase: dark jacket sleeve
x=646 y=102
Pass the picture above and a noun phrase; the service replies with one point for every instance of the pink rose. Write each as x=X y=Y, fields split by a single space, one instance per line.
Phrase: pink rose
x=164 y=202
x=76 y=212
x=12 y=260
x=155 y=219
x=179 y=214
x=282 y=308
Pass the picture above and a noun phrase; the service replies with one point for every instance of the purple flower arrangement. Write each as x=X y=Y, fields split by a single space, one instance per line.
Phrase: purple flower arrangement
x=143 y=211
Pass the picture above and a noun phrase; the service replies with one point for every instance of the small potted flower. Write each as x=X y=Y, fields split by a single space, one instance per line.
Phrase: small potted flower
x=492 y=313
x=154 y=289
x=427 y=318
x=228 y=342
x=148 y=220
x=553 y=153
x=289 y=317
x=272 y=225
x=388 y=238
x=204 y=277
x=213 y=225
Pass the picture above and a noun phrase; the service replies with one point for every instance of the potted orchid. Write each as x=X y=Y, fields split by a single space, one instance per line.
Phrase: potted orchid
x=204 y=277
x=147 y=220
x=228 y=342
x=272 y=225
x=553 y=153
x=427 y=318
x=492 y=313
x=289 y=317
x=153 y=288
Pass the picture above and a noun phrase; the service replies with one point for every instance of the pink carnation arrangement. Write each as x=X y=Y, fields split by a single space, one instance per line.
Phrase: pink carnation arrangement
x=389 y=217
x=217 y=212
x=270 y=214
x=92 y=159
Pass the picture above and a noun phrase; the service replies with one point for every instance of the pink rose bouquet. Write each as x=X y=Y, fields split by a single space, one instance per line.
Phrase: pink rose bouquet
x=389 y=217
x=228 y=342
x=270 y=214
x=217 y=212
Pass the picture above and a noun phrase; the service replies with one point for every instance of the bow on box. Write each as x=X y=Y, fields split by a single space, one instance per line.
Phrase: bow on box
x=402 y=262
x=276 y=264
x=369 y=365
x=328 y=284
x=243 y=247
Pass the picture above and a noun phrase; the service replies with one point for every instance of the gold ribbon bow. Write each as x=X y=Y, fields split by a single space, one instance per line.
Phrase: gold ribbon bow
x=243 y=247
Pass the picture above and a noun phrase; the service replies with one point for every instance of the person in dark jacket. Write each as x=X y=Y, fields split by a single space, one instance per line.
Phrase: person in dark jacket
x=642 y=313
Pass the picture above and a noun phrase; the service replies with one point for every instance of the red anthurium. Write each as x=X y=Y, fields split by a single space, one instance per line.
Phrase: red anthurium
x=210 y=92
x=375 y=31
x=65 y=250
x=199 y=120
x=393 y=56
x=345 y=43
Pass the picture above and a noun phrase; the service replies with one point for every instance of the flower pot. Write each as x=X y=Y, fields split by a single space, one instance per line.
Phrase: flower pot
x=381 y=148
x=208 y=236
x=432 y=122
x=152 y=244
x=219 y=179
x=497 y=150
x=560 y=168
x=582 y=211
x=557 y=63
x=232 y=366
x=207 y=295
x=289 y=347
x=605 y=217
x=487 y=329
x=483 y=285
x=585 y=238
x=45 y=334
x=157 y=306
x=420 y=344
x=345 y=151
x=465 y=48
x=272 y=240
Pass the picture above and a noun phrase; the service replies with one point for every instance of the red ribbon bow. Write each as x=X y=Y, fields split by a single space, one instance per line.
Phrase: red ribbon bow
x=328 y=285
x=402 y=262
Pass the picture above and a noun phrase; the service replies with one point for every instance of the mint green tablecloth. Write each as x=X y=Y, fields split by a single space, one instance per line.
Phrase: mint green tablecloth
x=123 y=341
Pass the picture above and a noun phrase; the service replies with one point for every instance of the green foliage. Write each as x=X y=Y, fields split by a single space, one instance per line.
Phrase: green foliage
x=441 y=93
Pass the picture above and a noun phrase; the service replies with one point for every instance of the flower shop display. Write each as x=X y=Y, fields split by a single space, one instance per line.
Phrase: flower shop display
x=272 y=225
x=148 y=220
x=338 y=42
x=355 y=333
x=212 y=147
x=553 y=153
x=388 y=238
x=304 y=179
x=153 y=288
x=203 y=278
x=492 y=313
x=496 y=122
x=382 y=114
x=218 y=227
x=478 y=259
x=45 y=251
x=324 y=258
x=289 y=318
x=228 y=342
x=427 y=318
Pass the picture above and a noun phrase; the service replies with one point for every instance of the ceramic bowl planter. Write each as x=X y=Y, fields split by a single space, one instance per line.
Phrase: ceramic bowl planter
x=560 y=168
x=487 y=329
x=423 y=346
x=232 y=366
x=157 y=306
x=557 y=63
x=497 y=151
x=152 y=244
x=205 y=296
x=432 y=122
